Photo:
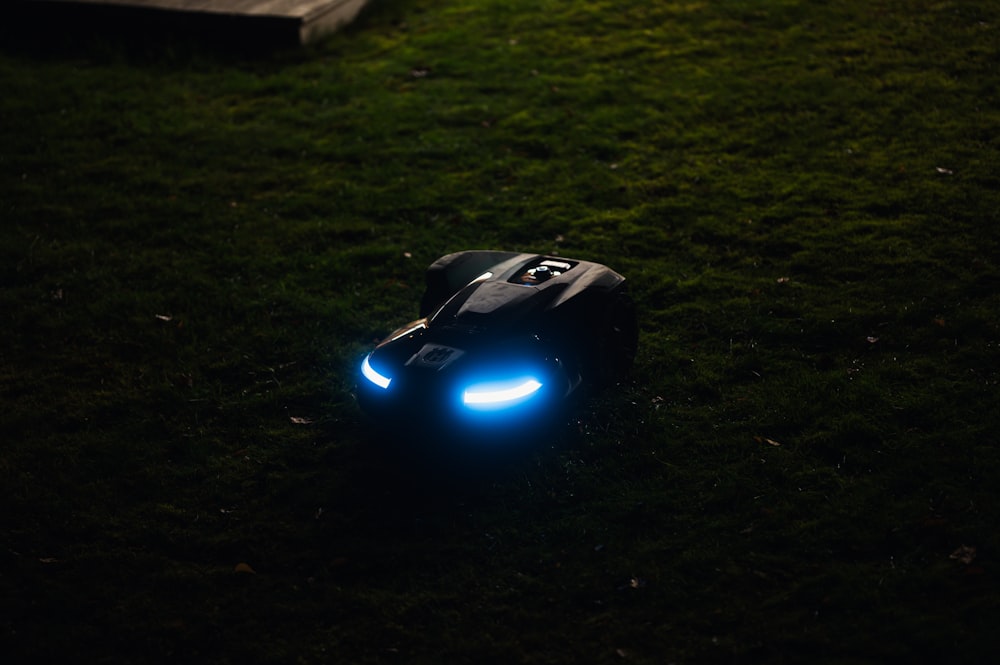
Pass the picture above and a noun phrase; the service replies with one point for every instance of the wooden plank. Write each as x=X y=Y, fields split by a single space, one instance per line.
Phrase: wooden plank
x=314 y=18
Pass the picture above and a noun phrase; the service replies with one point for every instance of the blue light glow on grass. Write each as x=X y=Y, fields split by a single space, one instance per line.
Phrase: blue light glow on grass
x=373 y=376
x=500 y=394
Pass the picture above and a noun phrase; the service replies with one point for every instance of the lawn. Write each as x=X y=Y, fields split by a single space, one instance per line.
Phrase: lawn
x=197 y=247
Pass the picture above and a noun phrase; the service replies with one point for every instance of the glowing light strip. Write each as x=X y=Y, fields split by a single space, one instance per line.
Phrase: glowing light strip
x=373 y=376
x=498 y=394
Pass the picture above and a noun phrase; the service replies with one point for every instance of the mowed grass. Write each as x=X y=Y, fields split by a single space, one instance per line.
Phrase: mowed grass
x=197 y=248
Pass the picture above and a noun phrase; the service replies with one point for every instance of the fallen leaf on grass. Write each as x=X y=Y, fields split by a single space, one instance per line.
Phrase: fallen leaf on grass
x=964 y=554
x=301 y=421
x=943 y=171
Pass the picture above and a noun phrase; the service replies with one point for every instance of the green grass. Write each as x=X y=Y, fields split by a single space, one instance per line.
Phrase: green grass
x=197 y=247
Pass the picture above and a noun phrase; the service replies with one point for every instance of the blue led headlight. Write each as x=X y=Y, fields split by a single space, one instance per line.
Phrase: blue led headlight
x=369 y=373
x=496 y=395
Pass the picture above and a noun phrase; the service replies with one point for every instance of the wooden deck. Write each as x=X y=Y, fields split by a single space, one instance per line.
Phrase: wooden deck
x=305 y=20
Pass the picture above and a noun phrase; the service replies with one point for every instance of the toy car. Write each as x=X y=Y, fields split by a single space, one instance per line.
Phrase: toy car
x=504 y=341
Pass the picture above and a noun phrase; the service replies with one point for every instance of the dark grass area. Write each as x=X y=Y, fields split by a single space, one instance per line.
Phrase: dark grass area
x=197 y=247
